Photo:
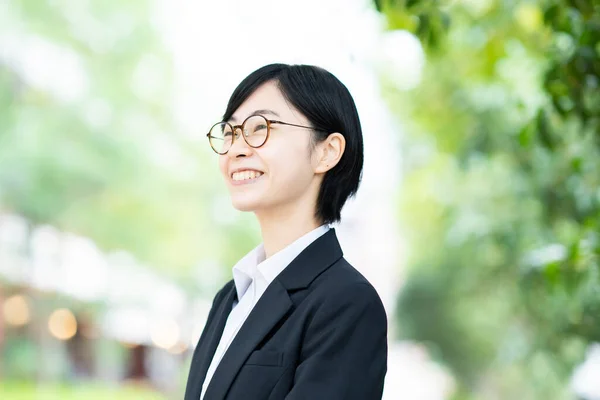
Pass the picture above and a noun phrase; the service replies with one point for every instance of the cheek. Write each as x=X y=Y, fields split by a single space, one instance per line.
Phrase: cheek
x=223 y=166
x=291 y=166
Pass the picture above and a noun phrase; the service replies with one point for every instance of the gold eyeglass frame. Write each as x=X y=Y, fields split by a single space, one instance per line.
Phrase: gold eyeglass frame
x=234 y=129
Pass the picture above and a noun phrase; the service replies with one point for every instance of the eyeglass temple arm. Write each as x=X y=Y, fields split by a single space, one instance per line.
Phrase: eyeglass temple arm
x=298 y=126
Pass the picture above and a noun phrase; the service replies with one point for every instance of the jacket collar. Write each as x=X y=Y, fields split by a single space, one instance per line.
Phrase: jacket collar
x=309 y=264
x=273 y=305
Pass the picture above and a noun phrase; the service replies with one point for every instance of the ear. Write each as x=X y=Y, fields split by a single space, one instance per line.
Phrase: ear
x=329 y=152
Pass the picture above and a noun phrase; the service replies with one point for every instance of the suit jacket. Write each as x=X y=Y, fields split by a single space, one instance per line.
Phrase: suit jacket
x=319 y=331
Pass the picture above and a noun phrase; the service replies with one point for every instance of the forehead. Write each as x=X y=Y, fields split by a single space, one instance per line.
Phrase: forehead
x=266 y=100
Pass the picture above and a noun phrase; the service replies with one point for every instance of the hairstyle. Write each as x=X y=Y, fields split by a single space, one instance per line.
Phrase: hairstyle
x=329 y=107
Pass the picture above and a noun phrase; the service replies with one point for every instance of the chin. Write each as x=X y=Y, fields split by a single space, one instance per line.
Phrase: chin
x=244 y=207
x=244 y=204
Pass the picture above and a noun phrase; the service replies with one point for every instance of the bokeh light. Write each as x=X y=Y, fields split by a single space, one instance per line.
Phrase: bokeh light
x=62 y=324
x=16 y=310
x=178 y=348
x=165 y=333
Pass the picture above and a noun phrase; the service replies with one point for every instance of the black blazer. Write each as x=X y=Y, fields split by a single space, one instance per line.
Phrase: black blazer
x=319 y=331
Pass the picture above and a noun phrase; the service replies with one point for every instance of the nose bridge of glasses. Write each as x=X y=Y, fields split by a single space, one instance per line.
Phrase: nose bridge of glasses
x=237 y=130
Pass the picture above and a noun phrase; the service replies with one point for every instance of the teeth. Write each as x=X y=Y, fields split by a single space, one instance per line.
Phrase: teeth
x=246 y=175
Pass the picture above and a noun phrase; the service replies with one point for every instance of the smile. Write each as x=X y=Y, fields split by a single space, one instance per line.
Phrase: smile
x=246 y=176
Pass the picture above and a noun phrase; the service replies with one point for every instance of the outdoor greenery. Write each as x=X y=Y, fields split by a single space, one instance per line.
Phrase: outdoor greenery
x=501 y=199
x=31 y=391
x=88 y=141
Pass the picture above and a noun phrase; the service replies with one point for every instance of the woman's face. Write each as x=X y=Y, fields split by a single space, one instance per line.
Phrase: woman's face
x=279 y=176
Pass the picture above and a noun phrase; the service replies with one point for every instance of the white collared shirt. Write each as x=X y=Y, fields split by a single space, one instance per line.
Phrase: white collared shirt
x=252 y=275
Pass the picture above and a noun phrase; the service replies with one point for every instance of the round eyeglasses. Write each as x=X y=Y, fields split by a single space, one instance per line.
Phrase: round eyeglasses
x=255 y=130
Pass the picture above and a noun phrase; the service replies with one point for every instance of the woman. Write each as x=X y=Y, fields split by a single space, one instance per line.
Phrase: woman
x=297 y=321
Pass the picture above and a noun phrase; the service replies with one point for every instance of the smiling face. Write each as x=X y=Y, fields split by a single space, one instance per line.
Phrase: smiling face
x=283 y=174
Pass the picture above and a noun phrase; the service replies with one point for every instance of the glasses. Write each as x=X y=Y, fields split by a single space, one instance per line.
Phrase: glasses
x=255 y=131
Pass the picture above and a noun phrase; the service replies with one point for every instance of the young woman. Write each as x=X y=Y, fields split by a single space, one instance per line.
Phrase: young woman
x=297 y=321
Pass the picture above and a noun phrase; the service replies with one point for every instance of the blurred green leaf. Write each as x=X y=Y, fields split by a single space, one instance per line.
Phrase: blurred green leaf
x=509 y=97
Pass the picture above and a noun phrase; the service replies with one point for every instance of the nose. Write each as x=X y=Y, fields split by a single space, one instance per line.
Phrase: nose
x=239 y=147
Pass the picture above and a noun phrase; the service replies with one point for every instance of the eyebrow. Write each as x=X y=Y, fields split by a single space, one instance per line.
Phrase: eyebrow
x=257 y=112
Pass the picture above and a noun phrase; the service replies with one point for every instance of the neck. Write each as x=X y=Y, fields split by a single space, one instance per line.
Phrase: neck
x=280 y=229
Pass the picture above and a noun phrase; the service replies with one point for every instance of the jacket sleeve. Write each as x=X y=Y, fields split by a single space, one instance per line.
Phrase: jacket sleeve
x=344 y=353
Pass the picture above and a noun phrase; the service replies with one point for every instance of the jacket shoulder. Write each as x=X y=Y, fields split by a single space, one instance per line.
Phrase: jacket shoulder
x=345 y=274
x=222 y=292
x=346 y=283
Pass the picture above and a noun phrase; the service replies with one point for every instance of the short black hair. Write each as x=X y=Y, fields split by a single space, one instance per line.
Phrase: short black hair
x=329 y=107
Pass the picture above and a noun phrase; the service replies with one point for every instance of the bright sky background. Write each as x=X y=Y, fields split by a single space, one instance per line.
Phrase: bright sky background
x=216 y=44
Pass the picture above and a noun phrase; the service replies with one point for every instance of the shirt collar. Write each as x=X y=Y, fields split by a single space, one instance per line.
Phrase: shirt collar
x=253 y=263
x=246 y=269
x=272 y=266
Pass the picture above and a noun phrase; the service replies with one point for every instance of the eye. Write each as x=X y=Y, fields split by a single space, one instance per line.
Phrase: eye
x=260 y=127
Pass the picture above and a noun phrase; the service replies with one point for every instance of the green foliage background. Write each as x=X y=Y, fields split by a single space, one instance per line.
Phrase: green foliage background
x=500 y=199
x=502 y=196
x=94 y=163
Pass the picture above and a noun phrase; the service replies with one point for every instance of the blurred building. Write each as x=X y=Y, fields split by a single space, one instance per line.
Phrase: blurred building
x=71 y=312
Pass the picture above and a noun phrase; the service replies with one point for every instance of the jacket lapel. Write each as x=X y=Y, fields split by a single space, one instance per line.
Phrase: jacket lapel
x=206 y=348
x=309 y=264
x=273 y=305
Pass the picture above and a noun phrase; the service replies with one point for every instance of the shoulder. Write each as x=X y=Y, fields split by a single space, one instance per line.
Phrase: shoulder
x=341 y=286
x=223 y=292
x=342 y=278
